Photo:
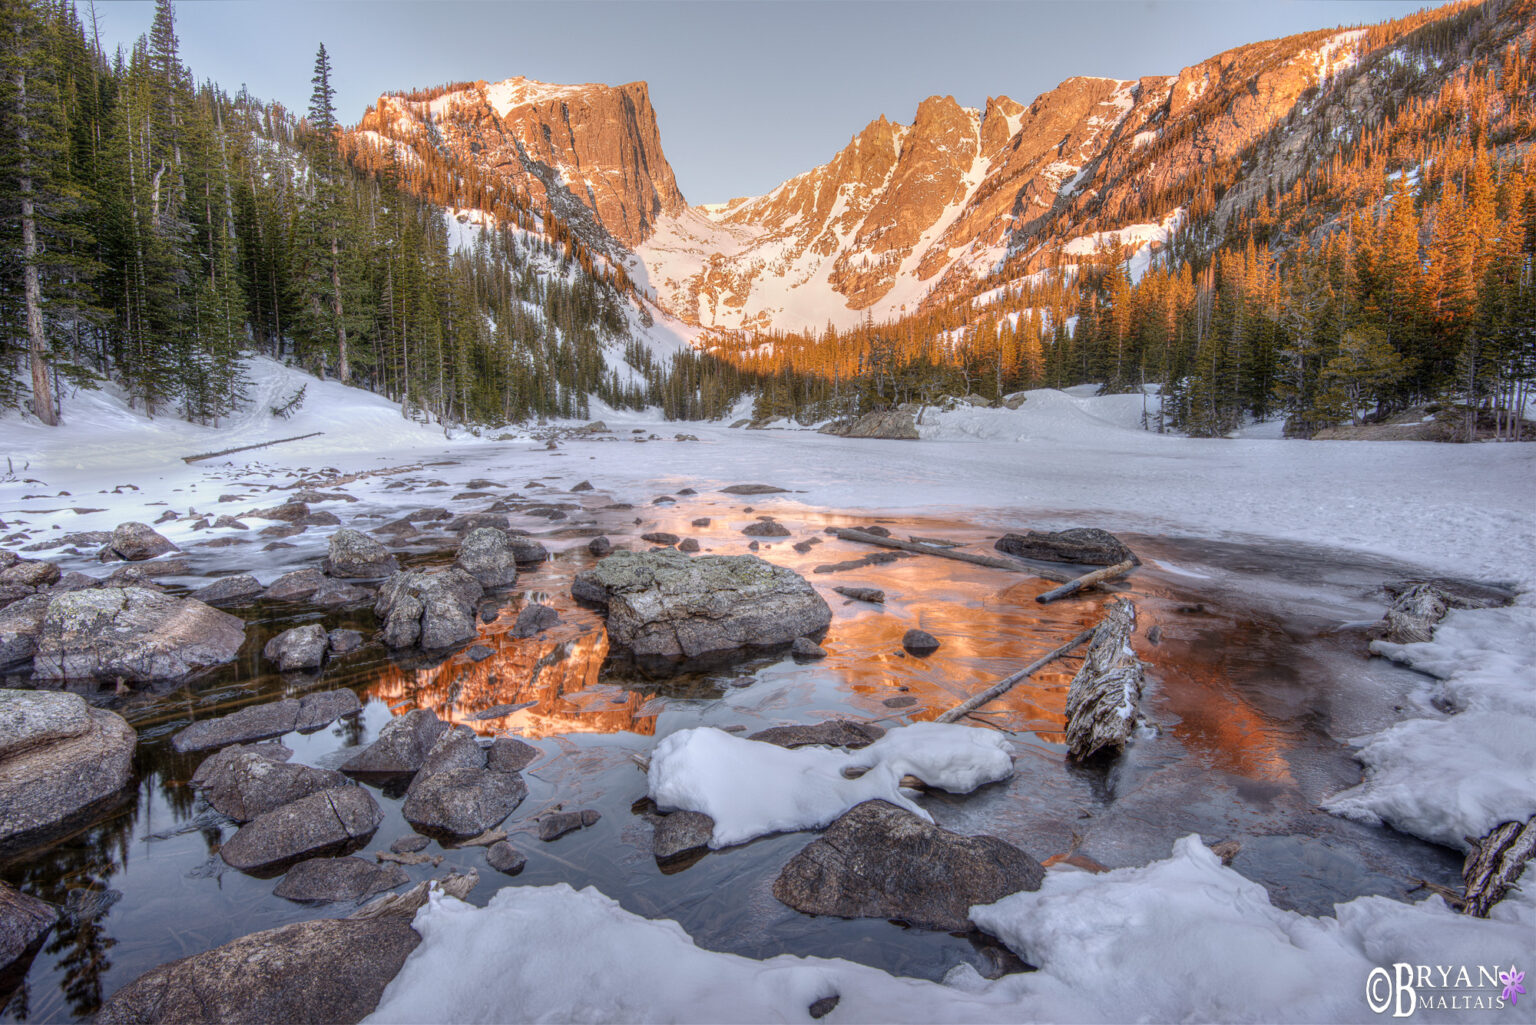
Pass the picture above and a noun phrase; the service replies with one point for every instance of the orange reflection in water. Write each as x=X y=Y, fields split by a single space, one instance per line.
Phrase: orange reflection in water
x=557 y=670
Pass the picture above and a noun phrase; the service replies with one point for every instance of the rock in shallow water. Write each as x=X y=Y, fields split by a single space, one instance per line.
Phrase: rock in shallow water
x=667 y=604
x=59 y=755
x=488 y=555
x=251 y=783
x=433 y=610
x=505 y=858
x=881 y=861
x=463 y=802
x=402 y=745
x=1087 y=546
x=302 y=647
x=136 y=542
x=323 y=823
x=23 y=921
x=330 y=879
x=919 y=642
x=833 y=733
x=131 y=632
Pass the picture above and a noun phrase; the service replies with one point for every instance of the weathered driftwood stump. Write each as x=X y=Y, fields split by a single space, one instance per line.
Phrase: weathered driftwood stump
x=1101 y=703
x=1495 y=863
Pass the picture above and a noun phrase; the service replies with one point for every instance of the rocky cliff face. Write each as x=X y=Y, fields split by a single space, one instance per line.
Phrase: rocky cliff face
x=591 y=152
x=954 y=205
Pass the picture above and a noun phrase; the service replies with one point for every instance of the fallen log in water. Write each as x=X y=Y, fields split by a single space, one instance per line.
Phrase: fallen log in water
x=1098 y=576
x=849 y=534
x=1101 y=703
x=1003 y=686
x=247 y=448
x=1495 y=863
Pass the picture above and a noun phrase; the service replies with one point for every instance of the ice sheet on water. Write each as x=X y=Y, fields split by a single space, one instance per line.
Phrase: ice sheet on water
x=751 y=788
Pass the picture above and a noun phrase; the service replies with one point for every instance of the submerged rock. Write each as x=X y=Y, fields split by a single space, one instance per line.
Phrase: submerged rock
x=433 y=610
x=331 y=879
x=1087 y=546
x=327 y=822
x=132 y=633
x=667 y=604
x=881 y=861
x=58 y=755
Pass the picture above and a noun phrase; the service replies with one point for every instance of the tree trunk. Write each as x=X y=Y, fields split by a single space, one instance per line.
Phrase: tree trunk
x=343 y=369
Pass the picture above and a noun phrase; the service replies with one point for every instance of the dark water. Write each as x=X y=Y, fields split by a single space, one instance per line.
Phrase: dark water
x=1252 y=687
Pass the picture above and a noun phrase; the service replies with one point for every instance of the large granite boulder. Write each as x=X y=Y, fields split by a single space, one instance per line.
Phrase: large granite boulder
x=1087 y=546
x=462 y=802
x=332 y=821
x=846 y=733
x=135 y=542
x=432 y=610
x=236 y=588
x=488 y=555
x=402 y=745
x=57 y=756
x=132 y=633
x=666 y=604
x=881 y=861
x=33 y=573
x=354 y=554
x=251 y=783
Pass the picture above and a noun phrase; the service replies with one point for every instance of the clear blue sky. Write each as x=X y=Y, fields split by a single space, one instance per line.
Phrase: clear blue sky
x=746 y=93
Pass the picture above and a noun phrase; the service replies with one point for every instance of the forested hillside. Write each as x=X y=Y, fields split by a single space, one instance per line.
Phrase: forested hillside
x=156 y=228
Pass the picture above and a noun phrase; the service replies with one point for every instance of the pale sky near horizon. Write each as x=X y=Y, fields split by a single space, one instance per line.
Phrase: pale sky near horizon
x=746 y=93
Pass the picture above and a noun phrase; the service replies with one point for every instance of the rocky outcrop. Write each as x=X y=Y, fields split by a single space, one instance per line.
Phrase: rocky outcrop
x=881 y=861
x=132 y=633
x=1086 y=546
x=665 y=604
x=430 y=610
x=891 y=424
x=57 y=756
x=20 y=623
x=353 y=554
x=488 y=555
x=331 y=821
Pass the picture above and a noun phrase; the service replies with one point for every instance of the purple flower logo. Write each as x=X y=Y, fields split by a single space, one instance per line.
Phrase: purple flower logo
x=1512 y=985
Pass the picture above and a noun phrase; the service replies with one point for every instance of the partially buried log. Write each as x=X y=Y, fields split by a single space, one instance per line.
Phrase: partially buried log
x=1101 y=703
x=1098 y=576
x=1003 y=686
x=1494 y=864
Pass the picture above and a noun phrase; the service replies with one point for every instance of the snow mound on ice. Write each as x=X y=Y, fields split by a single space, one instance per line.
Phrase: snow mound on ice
x=1455 y=776
x=1184 y=939
x=751 y=788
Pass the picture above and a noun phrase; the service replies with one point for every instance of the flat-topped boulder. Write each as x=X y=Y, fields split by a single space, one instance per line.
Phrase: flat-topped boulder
x=462 y=802
x=133 y=633
x=58 y=755
x=847 y=733
x=428 y=609
x=331 y=821
x=252 y=783
x=665 y=604
x=880 y=861
x=271 y=719
x=239 y=587
x=1086 y=546
x=332 y=879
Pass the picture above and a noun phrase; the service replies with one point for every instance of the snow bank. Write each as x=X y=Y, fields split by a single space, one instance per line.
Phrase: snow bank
x=1445 y=778
x=1184 y=939
x=751 y=788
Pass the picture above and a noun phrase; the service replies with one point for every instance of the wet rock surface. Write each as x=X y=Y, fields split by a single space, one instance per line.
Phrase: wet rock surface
x=1086 y=546
x=666 y=604
x=881 y=861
